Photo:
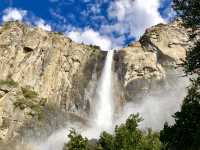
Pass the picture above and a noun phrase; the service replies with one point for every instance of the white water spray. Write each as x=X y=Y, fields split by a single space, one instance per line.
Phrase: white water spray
x=104 y=107
x=103 y=119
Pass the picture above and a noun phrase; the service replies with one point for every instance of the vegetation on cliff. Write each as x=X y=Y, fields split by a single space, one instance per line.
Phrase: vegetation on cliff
x=185 y=133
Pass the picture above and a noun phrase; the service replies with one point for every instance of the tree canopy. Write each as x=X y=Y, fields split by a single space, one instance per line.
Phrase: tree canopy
x=127 y=136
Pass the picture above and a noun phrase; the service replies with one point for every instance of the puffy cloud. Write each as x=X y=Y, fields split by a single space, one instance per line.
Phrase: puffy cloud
x=89 y=36
x=13 y=14
x=124 y=21
x=128 y=20
x=41 y=24
x=133 y=16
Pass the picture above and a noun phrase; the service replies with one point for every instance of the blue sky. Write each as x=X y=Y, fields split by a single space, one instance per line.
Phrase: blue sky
x=107 y=23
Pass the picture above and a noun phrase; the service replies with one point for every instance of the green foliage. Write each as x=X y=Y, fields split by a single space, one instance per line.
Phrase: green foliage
x=8 y=82
x=185 y=133
x=29 y=93
x=95 y=47
x=36 y=108
x=189 y=11
x=127 y=136
x=77 y=142
x=106 y=141
x=151 y=141
x=32 y=101
x=192 y=63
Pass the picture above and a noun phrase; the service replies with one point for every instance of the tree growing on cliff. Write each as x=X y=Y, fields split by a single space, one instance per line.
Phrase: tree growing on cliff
x=189 y=11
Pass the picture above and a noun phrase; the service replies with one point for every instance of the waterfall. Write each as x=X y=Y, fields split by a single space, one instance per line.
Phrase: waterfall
x=104 y=106
x=103 y=119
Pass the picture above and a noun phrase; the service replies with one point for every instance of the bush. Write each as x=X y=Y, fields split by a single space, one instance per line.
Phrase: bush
x=8 y=82
x=29 y=93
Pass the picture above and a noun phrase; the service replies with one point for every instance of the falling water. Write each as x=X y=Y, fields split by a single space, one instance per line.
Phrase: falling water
x=104 y=109
x=103 y=119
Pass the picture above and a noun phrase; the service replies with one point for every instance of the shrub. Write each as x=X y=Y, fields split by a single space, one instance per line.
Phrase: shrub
x=8 y=82
x=29 y=93
x=127 y=136
x=77 y=142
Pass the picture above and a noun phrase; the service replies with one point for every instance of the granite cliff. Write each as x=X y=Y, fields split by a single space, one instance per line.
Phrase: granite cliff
x=50 y=67
x=147 y=63
x=45 y=73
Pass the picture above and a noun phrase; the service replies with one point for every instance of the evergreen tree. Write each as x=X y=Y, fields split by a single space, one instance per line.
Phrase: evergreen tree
x=185 y=133
x=189 y=11
x=127 y=136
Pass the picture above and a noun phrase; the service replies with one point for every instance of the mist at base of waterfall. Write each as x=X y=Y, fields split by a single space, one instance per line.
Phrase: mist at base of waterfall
x=156 y=108
x=101 y=121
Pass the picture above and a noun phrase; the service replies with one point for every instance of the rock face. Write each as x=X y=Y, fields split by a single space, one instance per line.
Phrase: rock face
x=44 y=71
x=53 y=69
x=18 y=106
x=54 y=66
x=147 y=61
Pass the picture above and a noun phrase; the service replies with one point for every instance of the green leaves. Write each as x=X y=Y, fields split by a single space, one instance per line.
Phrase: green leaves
x=189 y=11
x=192 y=63
x=185 y=133
x=106 y=141
x=77 y=142
x=127 y=136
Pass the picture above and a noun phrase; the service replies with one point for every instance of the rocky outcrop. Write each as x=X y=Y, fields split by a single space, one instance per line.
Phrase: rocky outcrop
x=53 y=65
x=53 y=69
x=18 y=106
x=24 y=114
x=47 y=79
x=147 y=61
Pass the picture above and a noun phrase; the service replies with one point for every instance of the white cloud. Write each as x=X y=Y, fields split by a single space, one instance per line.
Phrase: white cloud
x=10 y=14
x=41 y=24
x=89 y=36
x=169 y=14
x=133 y=16
x=131 y=19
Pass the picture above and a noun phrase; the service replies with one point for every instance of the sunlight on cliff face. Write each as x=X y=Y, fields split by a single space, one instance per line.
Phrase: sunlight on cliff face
x=156 y=107
x=102 y=120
